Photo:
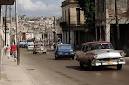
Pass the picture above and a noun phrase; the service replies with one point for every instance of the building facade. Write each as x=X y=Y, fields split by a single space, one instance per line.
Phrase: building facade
x=72 y=22
x=106 y=21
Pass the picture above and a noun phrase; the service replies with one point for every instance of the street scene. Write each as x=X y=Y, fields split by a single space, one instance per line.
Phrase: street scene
x=64 y=42
x=45 y=70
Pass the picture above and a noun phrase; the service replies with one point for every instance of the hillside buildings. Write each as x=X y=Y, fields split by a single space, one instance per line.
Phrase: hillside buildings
x=40 y=28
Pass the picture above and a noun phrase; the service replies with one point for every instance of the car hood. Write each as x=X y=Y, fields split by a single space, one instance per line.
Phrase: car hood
x=65 y=50
x=106 y=53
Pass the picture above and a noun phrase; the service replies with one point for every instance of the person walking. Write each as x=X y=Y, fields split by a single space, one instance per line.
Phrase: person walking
x=13 y=51
x=8 y=51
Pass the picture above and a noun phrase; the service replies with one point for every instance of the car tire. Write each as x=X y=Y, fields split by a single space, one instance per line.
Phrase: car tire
x=33 y=52
x=44 y=52
x=119 y=66
x=81 y=64
x=56 y=57
x=72 y=57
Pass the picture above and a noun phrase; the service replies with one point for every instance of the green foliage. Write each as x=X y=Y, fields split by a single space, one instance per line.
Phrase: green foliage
x=89 y=10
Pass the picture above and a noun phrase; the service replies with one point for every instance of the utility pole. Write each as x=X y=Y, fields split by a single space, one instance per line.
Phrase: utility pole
x=5 y=22
x=0 y=48
x=69 y=25
x=54 y=30
x=16 y=20
x=117 y=26
x=10 y=10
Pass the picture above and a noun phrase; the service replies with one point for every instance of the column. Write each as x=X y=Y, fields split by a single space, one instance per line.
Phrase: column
x=107 y=27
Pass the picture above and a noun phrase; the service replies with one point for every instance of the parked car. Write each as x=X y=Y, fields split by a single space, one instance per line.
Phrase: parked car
x=23 y=44
x=64 y=50
x=100 y=54
x=39 y=47
x=30 y=46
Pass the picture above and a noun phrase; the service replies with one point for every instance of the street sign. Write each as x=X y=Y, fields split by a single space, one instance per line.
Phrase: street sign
x=7 y=2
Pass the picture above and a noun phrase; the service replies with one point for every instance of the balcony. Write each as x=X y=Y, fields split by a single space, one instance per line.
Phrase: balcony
x=7 y=2
x=73 y=26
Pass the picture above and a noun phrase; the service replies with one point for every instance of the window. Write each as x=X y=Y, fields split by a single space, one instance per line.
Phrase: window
x=78 y=15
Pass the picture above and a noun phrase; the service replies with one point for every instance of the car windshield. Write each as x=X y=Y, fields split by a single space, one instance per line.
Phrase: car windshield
x=30 y=43
x=103 y=46
x=68 y=47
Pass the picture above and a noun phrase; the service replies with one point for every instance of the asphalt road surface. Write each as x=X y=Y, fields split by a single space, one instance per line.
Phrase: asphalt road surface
x=43 y=69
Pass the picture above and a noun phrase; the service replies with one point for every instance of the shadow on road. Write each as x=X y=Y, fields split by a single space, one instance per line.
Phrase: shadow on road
x=59 y=59
x=92 y=68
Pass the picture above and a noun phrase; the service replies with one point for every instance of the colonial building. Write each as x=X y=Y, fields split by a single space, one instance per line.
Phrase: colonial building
x=3 y=2
x=72 y=22
x=106 y=21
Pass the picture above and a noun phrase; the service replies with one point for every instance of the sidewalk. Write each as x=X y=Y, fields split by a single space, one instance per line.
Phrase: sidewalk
x=11 y=74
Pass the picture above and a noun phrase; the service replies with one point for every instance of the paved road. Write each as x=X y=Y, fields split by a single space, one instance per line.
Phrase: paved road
x=44 y=70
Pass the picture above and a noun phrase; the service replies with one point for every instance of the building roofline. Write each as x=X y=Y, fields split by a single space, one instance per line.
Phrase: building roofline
x=7 y=2
x=65 y=3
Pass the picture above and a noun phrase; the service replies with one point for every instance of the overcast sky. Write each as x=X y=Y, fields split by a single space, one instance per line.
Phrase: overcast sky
x=39 y=7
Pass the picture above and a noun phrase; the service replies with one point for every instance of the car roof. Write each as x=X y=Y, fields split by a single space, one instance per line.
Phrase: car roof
x=64 y=44
x=96 y=42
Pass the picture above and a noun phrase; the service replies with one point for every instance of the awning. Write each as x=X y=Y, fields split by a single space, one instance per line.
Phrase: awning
x=7 y=2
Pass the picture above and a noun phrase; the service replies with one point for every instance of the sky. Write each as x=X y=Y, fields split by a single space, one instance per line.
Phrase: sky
x=39 y=7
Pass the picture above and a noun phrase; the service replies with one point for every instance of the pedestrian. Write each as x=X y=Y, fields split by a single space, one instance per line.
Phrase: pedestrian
x=13 y=51
x=8 y=51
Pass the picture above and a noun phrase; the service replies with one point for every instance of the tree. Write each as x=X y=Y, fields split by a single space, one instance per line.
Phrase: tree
x=89 y=12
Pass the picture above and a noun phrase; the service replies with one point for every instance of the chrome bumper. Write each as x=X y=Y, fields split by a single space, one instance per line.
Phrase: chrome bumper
x=107 y=63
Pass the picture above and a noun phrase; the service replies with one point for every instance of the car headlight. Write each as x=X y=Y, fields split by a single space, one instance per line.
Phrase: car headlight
x=121 y=59
x=72 y=53
x=60 y=53
x=71 y=50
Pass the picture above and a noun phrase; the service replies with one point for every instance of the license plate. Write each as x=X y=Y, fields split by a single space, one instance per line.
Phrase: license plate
x=66 y=53
x=110 y=62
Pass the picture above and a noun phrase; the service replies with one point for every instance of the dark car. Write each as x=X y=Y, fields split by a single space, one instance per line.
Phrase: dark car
x=64 y=50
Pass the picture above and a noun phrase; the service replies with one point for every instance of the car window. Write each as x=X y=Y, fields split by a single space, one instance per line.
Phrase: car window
x=89 y=47
x=83 y=48
x=30 y=43
x=64 y=47
x=104 y=46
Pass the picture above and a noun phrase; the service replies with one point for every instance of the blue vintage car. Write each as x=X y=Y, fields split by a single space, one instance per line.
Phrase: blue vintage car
x=64 y=50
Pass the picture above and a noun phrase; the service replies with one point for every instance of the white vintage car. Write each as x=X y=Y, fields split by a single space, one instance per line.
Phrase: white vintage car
x=100 y=54
x=39 y=47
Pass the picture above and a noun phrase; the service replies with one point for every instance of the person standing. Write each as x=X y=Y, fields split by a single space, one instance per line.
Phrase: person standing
x=13 y=50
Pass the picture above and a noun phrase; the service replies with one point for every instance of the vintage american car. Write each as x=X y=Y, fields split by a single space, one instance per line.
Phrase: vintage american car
x=64 y=50
x=39 y=47
x=100 y=54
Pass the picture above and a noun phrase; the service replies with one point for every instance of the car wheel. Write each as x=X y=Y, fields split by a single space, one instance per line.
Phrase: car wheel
x=72 y=57
x=33 y=52
x=56 y=57
x=119 y=66
x=44 y=52
x=81 y=64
